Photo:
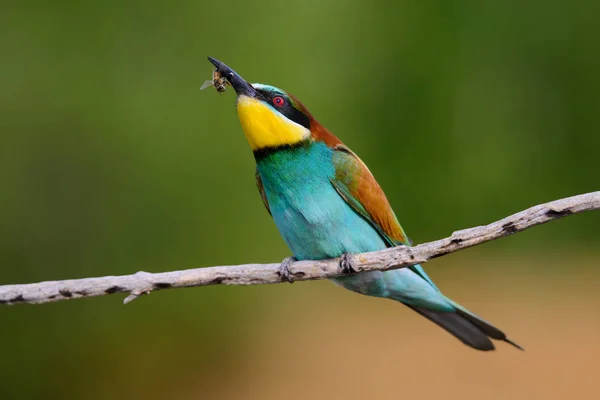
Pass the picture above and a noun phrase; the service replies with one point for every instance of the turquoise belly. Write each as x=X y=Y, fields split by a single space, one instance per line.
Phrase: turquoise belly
x=313 y=219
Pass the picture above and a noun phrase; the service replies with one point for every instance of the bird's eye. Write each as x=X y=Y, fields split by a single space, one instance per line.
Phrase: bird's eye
x=278 y=101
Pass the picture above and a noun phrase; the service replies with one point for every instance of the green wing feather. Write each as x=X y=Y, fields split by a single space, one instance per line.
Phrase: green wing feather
x=355 y=183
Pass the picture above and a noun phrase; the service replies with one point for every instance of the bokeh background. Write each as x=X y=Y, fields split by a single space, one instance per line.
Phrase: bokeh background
x=112 y=161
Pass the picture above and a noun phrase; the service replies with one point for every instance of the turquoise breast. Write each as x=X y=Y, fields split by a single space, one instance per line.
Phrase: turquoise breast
x=312 y=217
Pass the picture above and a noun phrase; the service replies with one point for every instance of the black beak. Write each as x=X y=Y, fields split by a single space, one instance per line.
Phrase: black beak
x=238 y=83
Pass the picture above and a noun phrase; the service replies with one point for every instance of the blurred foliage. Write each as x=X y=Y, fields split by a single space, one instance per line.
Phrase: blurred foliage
x=112 y=161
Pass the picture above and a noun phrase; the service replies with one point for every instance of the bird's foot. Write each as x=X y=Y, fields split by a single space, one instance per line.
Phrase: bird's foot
x=284 y=269
x=347 y=264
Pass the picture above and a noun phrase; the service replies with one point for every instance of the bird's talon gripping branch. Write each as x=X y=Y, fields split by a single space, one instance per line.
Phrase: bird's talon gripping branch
x=284 y=269
x=347 y=264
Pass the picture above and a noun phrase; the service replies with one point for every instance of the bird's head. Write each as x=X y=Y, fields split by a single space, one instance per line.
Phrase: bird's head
x=270 y=117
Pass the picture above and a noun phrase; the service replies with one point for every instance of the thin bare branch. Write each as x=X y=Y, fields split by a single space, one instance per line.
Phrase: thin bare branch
x=254 y=274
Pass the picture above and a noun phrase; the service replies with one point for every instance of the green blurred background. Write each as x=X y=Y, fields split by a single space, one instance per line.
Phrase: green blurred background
x=112 y=161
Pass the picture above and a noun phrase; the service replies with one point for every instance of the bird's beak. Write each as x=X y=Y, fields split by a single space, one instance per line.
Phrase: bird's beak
x=238 y=83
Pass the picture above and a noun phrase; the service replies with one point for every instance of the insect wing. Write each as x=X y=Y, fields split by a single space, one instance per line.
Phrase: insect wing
x=206 y=84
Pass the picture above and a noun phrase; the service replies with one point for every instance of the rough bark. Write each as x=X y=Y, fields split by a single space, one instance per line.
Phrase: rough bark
x=254 y=274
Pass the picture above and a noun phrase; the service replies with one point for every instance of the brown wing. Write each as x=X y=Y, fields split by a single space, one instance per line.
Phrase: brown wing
x=355 y=183
x=261 y=190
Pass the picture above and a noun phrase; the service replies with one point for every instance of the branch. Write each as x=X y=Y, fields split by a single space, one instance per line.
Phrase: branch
x=255 y=274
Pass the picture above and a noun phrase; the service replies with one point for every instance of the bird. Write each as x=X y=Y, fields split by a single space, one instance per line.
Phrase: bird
x=327 y=204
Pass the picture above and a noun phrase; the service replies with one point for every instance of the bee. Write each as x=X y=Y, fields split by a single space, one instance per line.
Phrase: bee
x=218 y=82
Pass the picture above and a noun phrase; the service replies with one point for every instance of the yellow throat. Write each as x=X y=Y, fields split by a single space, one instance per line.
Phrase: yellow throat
x=265 y=127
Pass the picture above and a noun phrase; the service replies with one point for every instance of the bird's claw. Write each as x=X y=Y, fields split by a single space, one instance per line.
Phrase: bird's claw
x=347 y=264
x=284 y=269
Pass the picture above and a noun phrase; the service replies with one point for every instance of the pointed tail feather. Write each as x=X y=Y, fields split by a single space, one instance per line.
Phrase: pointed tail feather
x=459 y=326
x=467 y=327
x=486 y=327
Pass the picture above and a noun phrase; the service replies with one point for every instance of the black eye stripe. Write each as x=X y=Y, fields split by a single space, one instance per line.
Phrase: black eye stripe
x=286 y=109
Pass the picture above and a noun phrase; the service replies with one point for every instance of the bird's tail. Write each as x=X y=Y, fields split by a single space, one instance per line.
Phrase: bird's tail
x=466 y=326
x=413 y=288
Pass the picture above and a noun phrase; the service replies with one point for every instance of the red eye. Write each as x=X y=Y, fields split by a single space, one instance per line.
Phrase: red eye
x=278 y=101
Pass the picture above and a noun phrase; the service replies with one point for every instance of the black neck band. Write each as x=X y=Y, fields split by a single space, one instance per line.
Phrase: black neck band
x=267 y=151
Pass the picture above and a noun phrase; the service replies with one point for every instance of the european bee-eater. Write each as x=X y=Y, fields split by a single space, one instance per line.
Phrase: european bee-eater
x=327 y=204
